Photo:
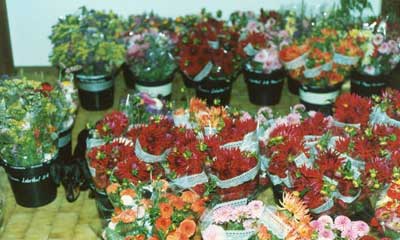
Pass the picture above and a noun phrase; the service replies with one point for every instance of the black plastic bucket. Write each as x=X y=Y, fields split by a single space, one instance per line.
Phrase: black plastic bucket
x=366 y=85
x=65 y=145
x=103 y=205
x=319 y=99
x=95 y=92
x=187 y=81
x=32 y=186
x=129 y=77
x=264 y=89
x=212 y=90
x=159 y=89
x=293 y=85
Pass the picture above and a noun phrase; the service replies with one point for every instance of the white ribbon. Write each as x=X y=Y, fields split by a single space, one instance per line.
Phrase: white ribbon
x=345 y=60
x=190 y=181
x=318 y=98
x=147 y=157
x=296 y=63
x=380 y=117
x=236 y=181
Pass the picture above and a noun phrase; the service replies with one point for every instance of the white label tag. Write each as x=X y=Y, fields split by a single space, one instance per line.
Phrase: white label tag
x=155 y=91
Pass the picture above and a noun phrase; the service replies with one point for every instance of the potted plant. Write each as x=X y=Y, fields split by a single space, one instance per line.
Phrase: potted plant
x=207 y=55
x=142 y=23
x=30 y=120
x=381 y=55
x=149 y=59
x=263 y=72
x=88 y=43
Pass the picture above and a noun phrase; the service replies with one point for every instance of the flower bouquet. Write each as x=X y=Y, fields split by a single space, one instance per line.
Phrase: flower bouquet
x=241 y=220
x=387 y=108
x=387 y=211
x=161 y=215
x=150 y=62
x=185 y=163
x=32 y=114
x=87 y=41
x=235 y=173
x=381 y=55
x=351 y=110
x=339 y=228
x=207 y=55
x=260 y=43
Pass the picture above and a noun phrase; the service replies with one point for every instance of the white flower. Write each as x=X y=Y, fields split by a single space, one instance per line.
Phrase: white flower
x=384 y=48
x=261 y=56
x=214 y=232
x=370 y=70
x=127 y=200
x=112 y=225
x=378 y=39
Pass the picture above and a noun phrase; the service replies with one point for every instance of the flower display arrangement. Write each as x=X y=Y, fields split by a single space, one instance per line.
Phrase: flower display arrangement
x=236 y=219
x=149 y=58
x=207 y=55
x=32 y=115
x=148 y=21
x=88 y=39
x=387 y=212
x=339 y=228
x=352 y=109
x=387 y=108
x=88 y=44
x=260 y=43
x=161 y=215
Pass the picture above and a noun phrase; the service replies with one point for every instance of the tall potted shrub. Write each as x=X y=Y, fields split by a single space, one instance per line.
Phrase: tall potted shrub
x=208 y=56
x=88 y=42
x=150 y=62
x=260 y=43
x=30 y=119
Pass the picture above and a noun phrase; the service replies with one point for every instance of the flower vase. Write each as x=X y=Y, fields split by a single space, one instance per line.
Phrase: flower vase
x=95 y=92
x=212 y=90
x=187 y=81
x=129 y=77
x=319 y=99
x=367 y=85
x=264 y=89
x=32 y=186
x=293 y=85
x=161 y=89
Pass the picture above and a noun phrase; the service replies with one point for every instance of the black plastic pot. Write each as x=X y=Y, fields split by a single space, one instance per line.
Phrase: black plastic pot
x=293 y=85
x=129 y=77
x=95 y=92
x=32 y=186
x=319 y=99
x=187 y=81
x=366 y=85
x=65 y=145
x=264 y=89
x=159 y=89
x=213 y=90
x=103 y=205
x=278 y=193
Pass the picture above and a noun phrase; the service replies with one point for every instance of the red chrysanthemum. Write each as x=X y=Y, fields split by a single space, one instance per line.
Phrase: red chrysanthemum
x=113 y=124
x=351 y=108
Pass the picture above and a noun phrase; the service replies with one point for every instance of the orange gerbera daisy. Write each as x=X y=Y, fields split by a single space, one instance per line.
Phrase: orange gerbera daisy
x=166 y=210
x=163 y=223
x=187 y=227
x=127 y=216
x=112 y=188
x=199 y=206
x=189 y=196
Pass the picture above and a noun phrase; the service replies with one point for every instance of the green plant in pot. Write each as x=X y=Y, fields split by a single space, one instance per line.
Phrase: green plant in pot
x=31 y=115
x=151 y=63
x=260 y=43
x=89 y=44
x=208 y=56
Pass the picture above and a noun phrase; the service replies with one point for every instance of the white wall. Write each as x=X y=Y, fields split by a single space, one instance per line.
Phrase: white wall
x=31 y=20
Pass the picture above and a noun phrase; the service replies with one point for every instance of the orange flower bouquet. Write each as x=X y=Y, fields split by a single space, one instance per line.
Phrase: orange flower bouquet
x=151 y=212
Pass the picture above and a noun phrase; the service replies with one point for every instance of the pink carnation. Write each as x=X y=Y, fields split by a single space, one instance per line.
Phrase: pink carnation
x=326 y=235
x=341 y=223
x=256 y=208
x=360 y=227
x=214 y=232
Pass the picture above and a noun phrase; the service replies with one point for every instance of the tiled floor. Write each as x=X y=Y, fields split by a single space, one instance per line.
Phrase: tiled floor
x=79 y=220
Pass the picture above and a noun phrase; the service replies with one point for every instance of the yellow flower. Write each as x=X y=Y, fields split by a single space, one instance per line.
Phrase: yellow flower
x=295 y=206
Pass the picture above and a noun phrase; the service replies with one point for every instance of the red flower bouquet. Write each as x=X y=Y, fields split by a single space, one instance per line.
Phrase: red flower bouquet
x=387 y=108
x=209 y=50
x=235 y=173
x=103 y=159
x=112 y=125
x=352 y=109
x=185 y=162
x=154 y=139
